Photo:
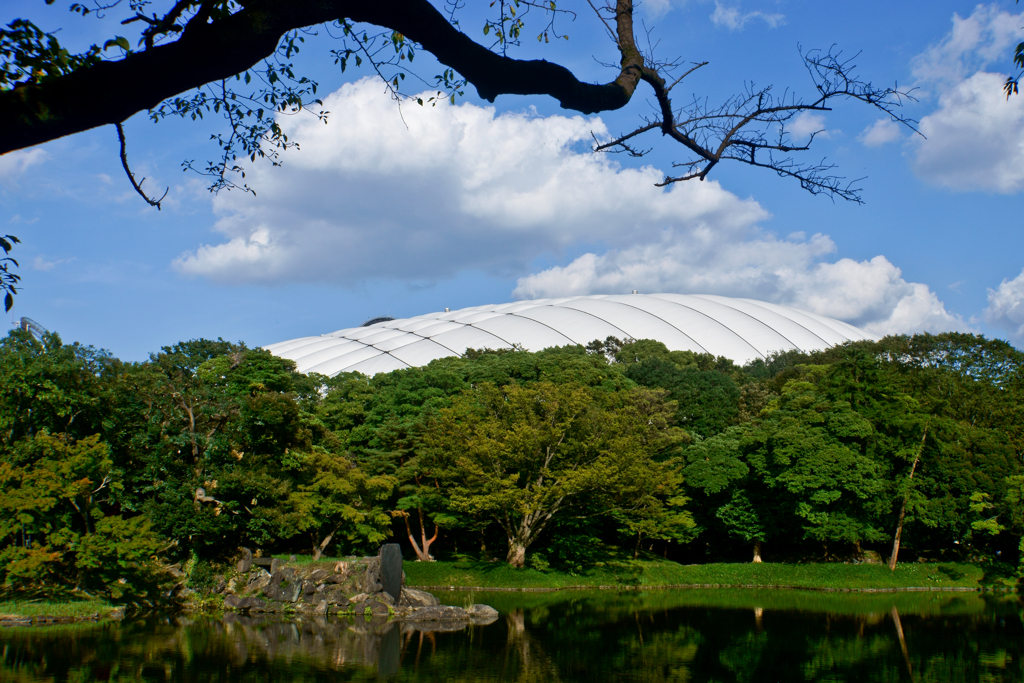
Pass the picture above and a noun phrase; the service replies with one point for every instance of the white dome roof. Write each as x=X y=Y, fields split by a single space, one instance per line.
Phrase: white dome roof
x=740 y=329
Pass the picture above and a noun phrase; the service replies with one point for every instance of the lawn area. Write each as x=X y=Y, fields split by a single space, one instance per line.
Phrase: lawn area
x=651 y=574
x=42 y=608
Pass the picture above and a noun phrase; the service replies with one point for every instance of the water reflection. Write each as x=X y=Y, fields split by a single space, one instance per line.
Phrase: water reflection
x=653 y=636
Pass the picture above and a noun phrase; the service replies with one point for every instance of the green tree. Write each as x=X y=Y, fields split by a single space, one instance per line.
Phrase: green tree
x=523 y=455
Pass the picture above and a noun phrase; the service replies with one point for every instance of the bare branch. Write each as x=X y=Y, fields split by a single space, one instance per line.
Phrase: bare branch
x=131 y=176
x=752 y=127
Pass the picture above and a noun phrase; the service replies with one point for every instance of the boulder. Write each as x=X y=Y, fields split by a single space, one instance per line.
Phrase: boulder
x=321 y=607
x=482 y=615
x=318 y=575
x=245 y=563
x=335 y=595
x=391 y=569
x=414 y=598
x=371 y=576
x=482 y=611
x=258 y=580
x=438 y=613
x=239 y=604
x=283 y=586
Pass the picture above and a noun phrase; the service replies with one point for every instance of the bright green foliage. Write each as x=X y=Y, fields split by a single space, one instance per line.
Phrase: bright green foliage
x=339 y=497
x=522 y=455
x=61 y=529
x=581 y=455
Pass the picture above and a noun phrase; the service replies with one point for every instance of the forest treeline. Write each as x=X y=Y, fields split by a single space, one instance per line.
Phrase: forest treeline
x=563 y=458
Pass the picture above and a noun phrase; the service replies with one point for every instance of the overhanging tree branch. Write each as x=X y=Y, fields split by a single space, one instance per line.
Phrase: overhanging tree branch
x=110 y=92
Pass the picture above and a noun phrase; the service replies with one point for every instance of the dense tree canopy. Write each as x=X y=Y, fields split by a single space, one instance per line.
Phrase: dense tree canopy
x=910 y=447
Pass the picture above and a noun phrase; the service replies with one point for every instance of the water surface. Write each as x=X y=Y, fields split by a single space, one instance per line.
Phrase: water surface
x=679 y=635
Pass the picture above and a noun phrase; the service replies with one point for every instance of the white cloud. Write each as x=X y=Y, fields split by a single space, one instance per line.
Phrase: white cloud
x=806 y=124
x=1006 y=308
x=973 y=43
x=463 y=189
x=39 y=263
x=975 y=139
x=655 y=9
x=870 y=294
x=460 y=188
x=734 y=20
x=881 y=132
x=14 y=164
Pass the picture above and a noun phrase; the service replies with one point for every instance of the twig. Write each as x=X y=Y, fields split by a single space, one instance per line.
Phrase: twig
x=131 y=176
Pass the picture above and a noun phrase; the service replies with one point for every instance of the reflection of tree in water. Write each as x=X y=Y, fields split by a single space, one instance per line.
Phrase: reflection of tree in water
x=525 y=658
x=567 y=639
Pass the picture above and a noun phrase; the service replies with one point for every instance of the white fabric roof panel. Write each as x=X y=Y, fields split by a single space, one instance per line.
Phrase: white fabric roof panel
x=381 y=363
x=470 y=337
x=740 y=329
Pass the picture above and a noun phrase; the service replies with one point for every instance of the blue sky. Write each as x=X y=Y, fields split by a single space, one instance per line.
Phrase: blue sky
x=401 y=212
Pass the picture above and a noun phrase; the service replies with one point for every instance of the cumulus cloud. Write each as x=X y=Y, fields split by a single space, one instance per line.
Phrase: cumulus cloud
x=974 y=42
x=807 y=124
x=457 y=188
x=449 y=189
x=1006 y=308
x=974 y=140
x=14 y=164
x=881 y=132
x=870 y=294
x=734 y=20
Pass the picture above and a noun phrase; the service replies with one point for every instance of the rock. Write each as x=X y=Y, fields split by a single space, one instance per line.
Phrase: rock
x=371 y=576
x=283 y=586
x=335 y=595
x=391 y=569
x=438 y=613
x=414 y=598
x=308 y=587
x=275 y=565
x=482 y=615
x=258 y=580
x=318 y=575
x=321 y=607
x=482 y=611
x=245 y=563
x=245 y=604
x=385 y=597
x=358 y=598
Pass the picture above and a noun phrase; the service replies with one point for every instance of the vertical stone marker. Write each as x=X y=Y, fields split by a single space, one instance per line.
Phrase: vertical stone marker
x=391 y=569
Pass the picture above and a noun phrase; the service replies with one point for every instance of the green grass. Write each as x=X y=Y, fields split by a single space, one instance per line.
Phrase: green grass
x=651 y=574
x=41 y=608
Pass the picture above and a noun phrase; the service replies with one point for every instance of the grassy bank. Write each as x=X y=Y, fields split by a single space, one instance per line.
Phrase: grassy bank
x=652 y=574
x=41 y=609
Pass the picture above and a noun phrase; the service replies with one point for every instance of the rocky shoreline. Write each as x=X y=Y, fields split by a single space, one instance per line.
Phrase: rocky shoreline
x=354 y=586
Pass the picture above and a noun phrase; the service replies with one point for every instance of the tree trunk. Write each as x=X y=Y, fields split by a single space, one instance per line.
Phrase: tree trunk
x=422 y=549
x=318 y=550
x=903 y=506
x=516 y=554
x=757 y=552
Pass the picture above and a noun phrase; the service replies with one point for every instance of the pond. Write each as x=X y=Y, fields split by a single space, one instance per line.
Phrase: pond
x=659 y=635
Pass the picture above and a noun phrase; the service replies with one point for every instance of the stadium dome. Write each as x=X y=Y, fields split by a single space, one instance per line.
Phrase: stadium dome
x=739 y=329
